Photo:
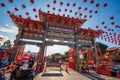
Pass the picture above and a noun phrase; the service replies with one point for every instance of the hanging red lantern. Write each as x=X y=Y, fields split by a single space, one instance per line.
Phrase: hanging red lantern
x=85 y=16
x=2 y=5
x=74 y=5
x=105 y=26
x=59 y=10
x=112 y=23
x=68 y=4
x=23 y=6
x=80 y=14
x=90 y=16
x=84 y=1
x=116 y=26
x=109 y=29
x=92 y=1
x=53 y=8
x=97 y=26
x=10 y=1
x=96 y=12
x=32 y=1
x=48 y=5
x=54 y=1
x=36 y=16
x=64 y=15
x=8 y=12
x=102 y=22
x=65 y=10
x=27 y=13
x=90 y=11
x=97 y=5
x=70 y=11
x=16 y=9
x=79 y=7
x=75 y=13
x=61 y=3
x=105 y=5
x=48 y=11
x=112 y=17
x=112 y=29
x=34 y=10
x=85 y=8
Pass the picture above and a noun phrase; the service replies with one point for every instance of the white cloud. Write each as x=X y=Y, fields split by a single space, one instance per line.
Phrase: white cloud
x=9 y=29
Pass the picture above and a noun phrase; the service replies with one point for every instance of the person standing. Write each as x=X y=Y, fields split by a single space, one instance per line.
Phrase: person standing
x=30 y=63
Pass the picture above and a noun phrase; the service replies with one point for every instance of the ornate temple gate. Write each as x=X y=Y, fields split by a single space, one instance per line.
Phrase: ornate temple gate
x=53 y=29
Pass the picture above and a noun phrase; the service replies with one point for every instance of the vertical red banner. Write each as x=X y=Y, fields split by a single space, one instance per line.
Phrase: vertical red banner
x=20 y=54
x=71 y=59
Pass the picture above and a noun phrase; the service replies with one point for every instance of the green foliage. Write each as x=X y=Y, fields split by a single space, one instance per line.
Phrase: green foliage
x=56 y=54
x=7 y=45
x=102 y=47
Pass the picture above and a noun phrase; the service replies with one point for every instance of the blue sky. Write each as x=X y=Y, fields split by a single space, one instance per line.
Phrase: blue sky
x=8 y=29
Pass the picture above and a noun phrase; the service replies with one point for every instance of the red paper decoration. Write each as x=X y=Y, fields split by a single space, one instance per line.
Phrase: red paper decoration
x=80 y=14
x=61 y=3
x=116 y=26
x=32 y=1
x=36 y=16
x=10 y=1
x=48 y=11
x=112 y=23
x=23 y=6
x=97 y=26
x=96 y=12
x=20 y=16
x=2 y=5
x=16 y=9
x=97 y=5
x=68 y=4
x=74 y=5
x=54 y=1
x=102 y=22
x=34 y=10
x=105 y=5
x=27 y=13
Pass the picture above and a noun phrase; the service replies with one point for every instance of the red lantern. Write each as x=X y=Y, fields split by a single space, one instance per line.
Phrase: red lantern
x=8 y=12
x=109 y=29
x=116 y=26
x=23 y=6
x=90 y=16
x=59 y=10
x=65 y=10
x=96 y=12
x=68 y=16
x=97 y=5
x=34 y=10
x=90 y=11
x=68 y=4
x=48 y=11
x=54 y=1
x=16 y=9
x=105 y=26
x=27 y=13
x=85 y=16
x=53 y=8
x=32 y=1
x=104 y=5
x=85 y=8
x=64 y=15
x=10 y=1
x=48 y=5
x=112 y=17
x=20 y=16
x=79 y=7
x=92 y=1
x=112 y=29
x=2 y=5
x=97 y=26
x=112 y=23
x=61 y=3
x=74 y=5
x=80 y=14
x=84 y=1
x=102 y=22
x=36 y=16
x=70 y=11
x=75 y=13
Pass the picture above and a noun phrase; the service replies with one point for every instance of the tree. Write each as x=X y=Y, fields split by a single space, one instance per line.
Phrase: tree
x=102 y=47
x=7 y=45
x=66 y=53
x=56 y=54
